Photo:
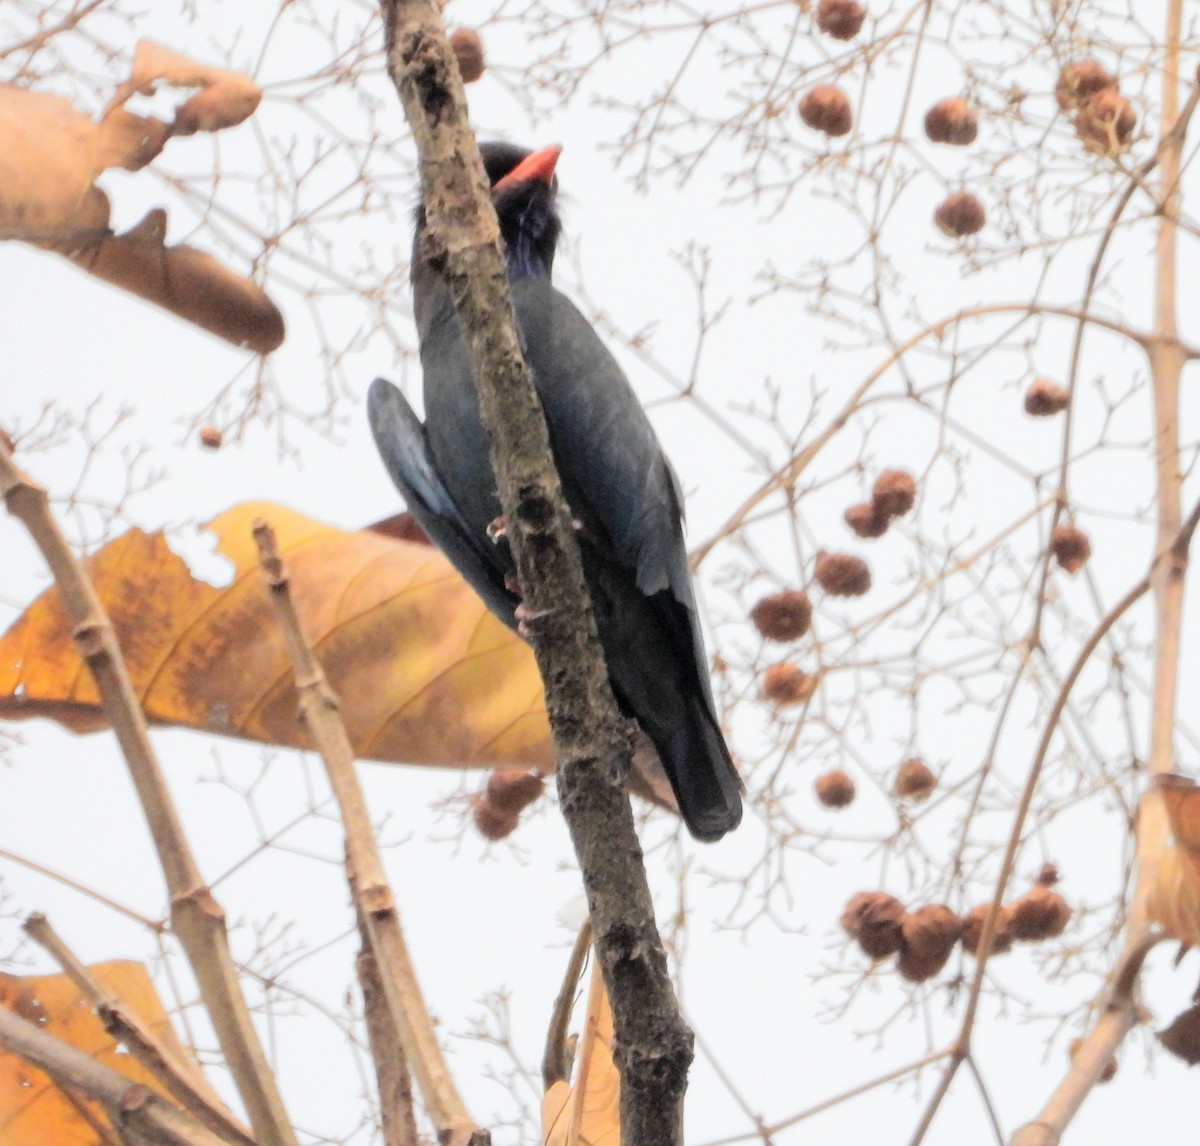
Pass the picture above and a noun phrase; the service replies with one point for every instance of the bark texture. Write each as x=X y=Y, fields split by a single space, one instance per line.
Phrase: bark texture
x=653 y=1043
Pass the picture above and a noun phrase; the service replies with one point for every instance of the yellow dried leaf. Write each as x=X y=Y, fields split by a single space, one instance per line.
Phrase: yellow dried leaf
x=588 y=1113
x=425 y=674
x=33 y=1110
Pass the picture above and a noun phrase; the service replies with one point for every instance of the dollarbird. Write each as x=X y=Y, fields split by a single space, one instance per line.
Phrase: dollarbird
x=621 y=490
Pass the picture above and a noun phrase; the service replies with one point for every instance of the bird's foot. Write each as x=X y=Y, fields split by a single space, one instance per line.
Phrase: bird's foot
x=497 y=531
x=529 y=620
x=513 y=586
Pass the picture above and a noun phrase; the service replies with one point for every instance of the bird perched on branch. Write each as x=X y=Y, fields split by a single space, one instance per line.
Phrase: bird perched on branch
x=616 y=480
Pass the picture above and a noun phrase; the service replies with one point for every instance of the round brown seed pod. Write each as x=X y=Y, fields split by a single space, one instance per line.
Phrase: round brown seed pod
x=492 y=823
x=1079 y=81
x=835 y=789
x=874 y=919
x=914 y=780
x=1110 y=1068
x=1071 y=547
x=927 y=937
x=1106 y=121
x=1048 y=875
x=973 y=929
x=783 y=616
x=840 y=19
x=960 y=214
x=842 y=574
x=951 y=121
x=1039 y=914
x=511 y=790
x=866 y=520
x=894 y=493
x=468 y=50
x=211 y=438
x=827 y=108
x=1044 y=398
x=785 y=684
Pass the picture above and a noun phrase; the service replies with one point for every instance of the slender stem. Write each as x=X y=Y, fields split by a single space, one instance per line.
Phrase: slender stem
x=555 y=1064
x=197 y=919
x=373 y=898
x=140 y=1113
x=1167 y=357
x=181 y=1078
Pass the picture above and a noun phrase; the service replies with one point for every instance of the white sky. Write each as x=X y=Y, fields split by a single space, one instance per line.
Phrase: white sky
x=482 y=919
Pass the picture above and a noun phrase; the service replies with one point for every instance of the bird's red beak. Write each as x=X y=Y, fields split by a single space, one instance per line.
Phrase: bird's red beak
x=535 y=168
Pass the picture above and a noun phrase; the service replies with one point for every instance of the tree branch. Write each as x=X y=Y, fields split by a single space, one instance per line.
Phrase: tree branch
x=653 y=1043
x=373 y=898
x=132 y=1106
x=182 y=1080
x=197 y=919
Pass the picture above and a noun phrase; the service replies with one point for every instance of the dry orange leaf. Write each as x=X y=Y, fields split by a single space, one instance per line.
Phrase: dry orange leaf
x=51 y=154
x=1175 y=899
x=588 y=1113
x=33 y=1110
x=425 y=674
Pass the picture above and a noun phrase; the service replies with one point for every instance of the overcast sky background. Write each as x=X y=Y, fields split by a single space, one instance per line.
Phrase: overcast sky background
x=501 y=918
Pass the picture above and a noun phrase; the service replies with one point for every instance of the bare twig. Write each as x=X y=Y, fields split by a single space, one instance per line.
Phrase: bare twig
x=392 y=1076
x=1167 y=359
x=373 y=896
x=555 y=1064
x=131 y=1106
x=182 y=1079
x=196 y=917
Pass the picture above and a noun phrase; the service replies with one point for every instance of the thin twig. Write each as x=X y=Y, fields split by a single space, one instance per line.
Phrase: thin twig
x=393 y=1079
x=373 y=898
x=132 y=1106
x=197 y=919
x=182 y=1079
x=556 y=1066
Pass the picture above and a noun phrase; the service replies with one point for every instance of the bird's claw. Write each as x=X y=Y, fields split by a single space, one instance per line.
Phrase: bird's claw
x=528 y=620
x=514 y=586
x=497 y=531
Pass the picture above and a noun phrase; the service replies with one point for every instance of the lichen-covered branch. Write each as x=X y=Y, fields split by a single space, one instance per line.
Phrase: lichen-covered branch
x=653 y=1043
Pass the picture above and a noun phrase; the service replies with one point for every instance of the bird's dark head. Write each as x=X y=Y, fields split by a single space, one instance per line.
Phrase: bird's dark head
x=524 y=190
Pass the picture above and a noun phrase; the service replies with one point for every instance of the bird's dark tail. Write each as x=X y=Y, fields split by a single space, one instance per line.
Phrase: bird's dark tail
x=702 y=774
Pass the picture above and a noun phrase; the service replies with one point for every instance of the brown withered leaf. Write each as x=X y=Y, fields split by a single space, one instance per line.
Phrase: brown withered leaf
x=425 y=674
x=1175 y=898
x=225 y=98
x=587 y=1112
x=51 y=154
x=33 y=1110
x=1182 y=1037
